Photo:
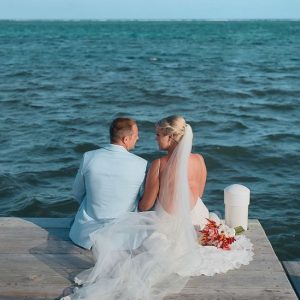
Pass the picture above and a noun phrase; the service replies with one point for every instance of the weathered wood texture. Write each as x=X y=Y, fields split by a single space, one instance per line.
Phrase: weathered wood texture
x=292 y=268
x=38 y=261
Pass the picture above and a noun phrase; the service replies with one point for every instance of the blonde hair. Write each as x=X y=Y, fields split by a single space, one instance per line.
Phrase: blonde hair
x=172 y=125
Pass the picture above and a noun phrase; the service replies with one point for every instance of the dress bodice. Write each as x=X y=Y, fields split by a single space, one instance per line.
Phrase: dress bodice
x=199 y=213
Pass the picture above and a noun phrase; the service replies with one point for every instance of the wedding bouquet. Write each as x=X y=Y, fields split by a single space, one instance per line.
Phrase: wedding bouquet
x=216 y=233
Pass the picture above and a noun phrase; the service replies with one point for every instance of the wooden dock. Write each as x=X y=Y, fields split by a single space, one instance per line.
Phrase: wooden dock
x=38 y=261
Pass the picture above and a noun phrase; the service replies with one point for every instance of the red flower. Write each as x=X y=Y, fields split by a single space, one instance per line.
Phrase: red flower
x=211 y=236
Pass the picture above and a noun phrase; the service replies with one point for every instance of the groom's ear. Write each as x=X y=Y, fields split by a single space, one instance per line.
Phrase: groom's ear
x=125 y=139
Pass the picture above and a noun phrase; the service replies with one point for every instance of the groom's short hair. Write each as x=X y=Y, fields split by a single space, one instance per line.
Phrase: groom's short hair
x=121 y=127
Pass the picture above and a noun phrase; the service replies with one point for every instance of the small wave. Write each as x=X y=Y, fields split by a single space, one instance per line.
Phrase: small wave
x=153 y=59
x=146 y=125
x=37 y=208
x=246 y=80
x=230 y=151
x=233 y=125
x=82 y=105
x=160 y=97
x=221 y=94
x=239 y=95
x=288 y=137
x=84 y=147
x=10 y=101
x=81 y=77
x=47 y=87
x=43 y=88
x=281 y=106
x=35 y=106
x=123 y=69
x=23 y=89
x=246 y=179
x=290 y=69
x=31 y=178
x=271 y=160
x=202 y=124
x=274 y=92
x=41 y=177
x=20 y=74
x=9 y=186
x=72 y=122
x=251 y=117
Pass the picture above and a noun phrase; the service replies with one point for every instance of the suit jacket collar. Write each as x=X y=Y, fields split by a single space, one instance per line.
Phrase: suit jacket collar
x=115 y=148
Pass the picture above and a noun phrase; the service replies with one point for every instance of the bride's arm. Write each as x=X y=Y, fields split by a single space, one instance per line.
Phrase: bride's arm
x=151 y=187
x=203 y=175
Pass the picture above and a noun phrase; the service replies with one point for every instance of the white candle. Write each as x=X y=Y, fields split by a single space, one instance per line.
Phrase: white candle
x=236 y=199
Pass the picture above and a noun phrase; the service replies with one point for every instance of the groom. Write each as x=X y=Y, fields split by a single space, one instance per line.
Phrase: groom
x=109 y=182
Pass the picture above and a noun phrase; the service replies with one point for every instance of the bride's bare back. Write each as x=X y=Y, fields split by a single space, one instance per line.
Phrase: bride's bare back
x=169 y=133
x=196 y=177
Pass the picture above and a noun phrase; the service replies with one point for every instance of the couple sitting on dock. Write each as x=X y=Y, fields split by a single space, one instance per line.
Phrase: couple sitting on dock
x=150 y=253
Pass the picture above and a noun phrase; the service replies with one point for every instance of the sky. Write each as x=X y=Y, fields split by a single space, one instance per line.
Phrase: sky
x=149 y=9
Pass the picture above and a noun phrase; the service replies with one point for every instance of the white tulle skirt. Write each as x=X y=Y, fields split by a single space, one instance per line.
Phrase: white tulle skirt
x=144 y=256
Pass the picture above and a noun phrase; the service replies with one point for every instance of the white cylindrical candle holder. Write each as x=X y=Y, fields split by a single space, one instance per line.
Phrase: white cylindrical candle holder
x=236 y=199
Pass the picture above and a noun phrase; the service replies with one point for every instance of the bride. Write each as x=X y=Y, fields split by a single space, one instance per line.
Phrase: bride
x=150 y=254
x=169 y=132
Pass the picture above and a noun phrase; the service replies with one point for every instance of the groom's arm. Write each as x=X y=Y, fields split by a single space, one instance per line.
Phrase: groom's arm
x=79 y=185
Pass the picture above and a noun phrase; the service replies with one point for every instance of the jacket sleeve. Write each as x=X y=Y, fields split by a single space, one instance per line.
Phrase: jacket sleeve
x=142 y=188
x=79 y=185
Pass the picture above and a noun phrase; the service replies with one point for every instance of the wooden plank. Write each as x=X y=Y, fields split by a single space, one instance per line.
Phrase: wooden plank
x=241 y=279
x=34 y=233
x=234 y=293
x=38 y=261
x=293 y=270
x=24 y=262
x=34 y=292
x=39 y=246
x=35 y=222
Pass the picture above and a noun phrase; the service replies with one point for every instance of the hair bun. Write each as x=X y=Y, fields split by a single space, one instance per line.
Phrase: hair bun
x=173 y=125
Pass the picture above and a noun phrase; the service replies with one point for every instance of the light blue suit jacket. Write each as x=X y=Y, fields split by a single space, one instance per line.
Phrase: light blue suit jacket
x=108 y=184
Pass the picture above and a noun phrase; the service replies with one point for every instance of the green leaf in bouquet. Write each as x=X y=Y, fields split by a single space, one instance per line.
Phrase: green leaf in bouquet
x=239 y=230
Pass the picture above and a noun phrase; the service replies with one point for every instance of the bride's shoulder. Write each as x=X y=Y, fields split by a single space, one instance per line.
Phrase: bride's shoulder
x=159 y=161
x=196 y=157
x=158 y=164
x=155 y=165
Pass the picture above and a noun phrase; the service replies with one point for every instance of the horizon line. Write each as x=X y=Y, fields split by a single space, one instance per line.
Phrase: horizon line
x=148 y=19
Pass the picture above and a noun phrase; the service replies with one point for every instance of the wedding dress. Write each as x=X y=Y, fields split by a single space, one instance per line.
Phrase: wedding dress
x=145 y=256
x=199 y=214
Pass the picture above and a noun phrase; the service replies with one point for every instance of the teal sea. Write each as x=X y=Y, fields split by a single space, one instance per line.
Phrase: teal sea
x=237 y=84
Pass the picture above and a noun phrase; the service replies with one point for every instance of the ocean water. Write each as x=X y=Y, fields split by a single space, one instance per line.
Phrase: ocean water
x=236 y=83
